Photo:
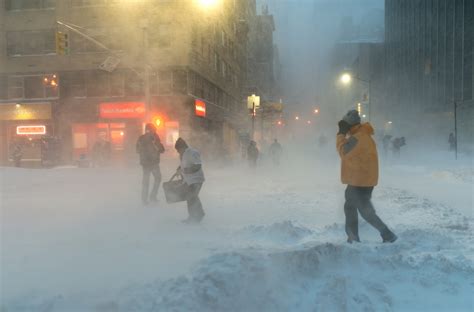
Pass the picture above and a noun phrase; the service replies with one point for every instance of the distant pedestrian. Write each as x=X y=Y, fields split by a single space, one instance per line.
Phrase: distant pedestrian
x=252 y=154
x=397 y=143
x=275 y=152
x=193 y=176
x=149 y=148
x=452 y=142
x=359 y=170
x=323 y=140
x=17 y=154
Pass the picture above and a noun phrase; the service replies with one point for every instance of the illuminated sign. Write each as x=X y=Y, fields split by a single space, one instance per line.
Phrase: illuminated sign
x=122 y=110
x=31 y=130
x=18 y=111
x=200 y=108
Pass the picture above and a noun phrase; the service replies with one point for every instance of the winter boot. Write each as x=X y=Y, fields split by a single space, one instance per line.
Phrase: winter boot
x=388 y=236
x=352 y=238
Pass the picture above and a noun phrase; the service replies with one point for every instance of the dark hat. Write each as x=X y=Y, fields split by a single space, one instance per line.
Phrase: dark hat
x=352 y=117
x=180 y=143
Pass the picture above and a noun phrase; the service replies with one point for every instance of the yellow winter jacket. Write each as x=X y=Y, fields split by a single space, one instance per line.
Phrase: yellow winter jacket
x=359 y=160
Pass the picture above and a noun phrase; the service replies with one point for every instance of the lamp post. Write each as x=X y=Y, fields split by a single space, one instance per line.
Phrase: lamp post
x=346 y=79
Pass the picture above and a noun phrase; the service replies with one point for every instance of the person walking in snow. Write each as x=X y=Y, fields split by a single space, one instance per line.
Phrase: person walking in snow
x=17 y=155
x=149 y=148
x=452 y=142
x=359 y=170
x=275 y=151
x=193 y=175
x=252 y=154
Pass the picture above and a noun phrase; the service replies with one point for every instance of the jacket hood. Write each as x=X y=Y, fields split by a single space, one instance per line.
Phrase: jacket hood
x=365 y=127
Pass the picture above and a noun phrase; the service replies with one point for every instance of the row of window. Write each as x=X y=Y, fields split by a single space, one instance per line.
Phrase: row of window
x=84 y=84
x=42 y=42
x=18 y=5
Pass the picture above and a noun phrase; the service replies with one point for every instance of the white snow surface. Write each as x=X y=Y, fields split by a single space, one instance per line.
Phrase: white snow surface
x=272 y=240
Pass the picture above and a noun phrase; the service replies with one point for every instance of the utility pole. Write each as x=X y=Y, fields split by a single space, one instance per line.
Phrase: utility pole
x=456 y=130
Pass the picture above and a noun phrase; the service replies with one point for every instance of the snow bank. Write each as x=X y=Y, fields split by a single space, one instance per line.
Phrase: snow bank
x=323 y=277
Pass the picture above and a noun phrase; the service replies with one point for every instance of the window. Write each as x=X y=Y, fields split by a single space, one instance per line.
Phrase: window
x=15 y=87
x=3 y=87
x=97 y=84
x=74 y=84
x=116 y=84
x=80 y=44
x=32 y=87
x=16 y=5
x=165 y=82
x=133 y=85
x=85 y=3
x=179 y=81
x=21 y=43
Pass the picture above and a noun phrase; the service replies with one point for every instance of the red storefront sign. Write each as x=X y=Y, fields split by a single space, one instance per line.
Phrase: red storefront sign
x=200 y=108
x=30 y=130
x=122 y=110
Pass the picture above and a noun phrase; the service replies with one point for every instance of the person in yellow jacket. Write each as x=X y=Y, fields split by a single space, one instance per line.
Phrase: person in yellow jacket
x=360 y=171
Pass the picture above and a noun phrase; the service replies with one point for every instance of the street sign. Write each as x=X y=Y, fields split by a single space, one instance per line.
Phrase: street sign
x=110 y=64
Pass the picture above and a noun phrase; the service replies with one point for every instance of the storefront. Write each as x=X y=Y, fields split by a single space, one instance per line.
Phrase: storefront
x=26 y=127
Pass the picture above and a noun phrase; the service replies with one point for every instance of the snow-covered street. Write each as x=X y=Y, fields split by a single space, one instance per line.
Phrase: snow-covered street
x=78 y=240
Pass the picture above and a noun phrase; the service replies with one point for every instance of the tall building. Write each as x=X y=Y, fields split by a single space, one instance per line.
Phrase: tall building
x=181 y=64
x=429 y=68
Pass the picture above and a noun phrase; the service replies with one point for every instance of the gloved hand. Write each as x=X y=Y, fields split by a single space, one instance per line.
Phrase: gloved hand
x=344 y=127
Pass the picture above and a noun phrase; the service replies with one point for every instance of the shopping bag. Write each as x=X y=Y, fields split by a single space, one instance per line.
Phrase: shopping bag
x=175 y=190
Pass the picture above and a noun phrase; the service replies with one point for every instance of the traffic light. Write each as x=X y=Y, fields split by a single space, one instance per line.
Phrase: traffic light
x=62 y=43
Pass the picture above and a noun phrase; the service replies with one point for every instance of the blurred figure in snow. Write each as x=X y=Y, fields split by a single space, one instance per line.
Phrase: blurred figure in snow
x=252 y=154
x=193 y=176
x=149 y=148
x=359 y=170
x=452 y=142
x=397 y=143
x=17 y=154
x=275 y=152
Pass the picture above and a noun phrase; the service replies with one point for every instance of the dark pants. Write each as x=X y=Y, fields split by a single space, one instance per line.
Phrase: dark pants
x=358 y=198
x=195 y=210
x=147 y=171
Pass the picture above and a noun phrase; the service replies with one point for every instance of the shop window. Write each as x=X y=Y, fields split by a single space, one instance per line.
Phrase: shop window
x=165 y=82
x=15 y=87
x=30 y=42
x=12 y=5
x=97 y=84
x=179 y=81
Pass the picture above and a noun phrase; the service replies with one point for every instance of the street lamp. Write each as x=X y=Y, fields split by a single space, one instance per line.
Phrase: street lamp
x=346 y=79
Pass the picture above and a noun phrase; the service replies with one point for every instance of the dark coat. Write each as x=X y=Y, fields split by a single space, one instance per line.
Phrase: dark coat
x=149 y=148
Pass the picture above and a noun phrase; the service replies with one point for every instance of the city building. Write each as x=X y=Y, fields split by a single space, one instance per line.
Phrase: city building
x=429 y=69
x=94 y=71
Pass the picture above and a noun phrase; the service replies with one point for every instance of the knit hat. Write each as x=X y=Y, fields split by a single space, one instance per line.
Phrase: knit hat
x=180 y=143
x=352 y=117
